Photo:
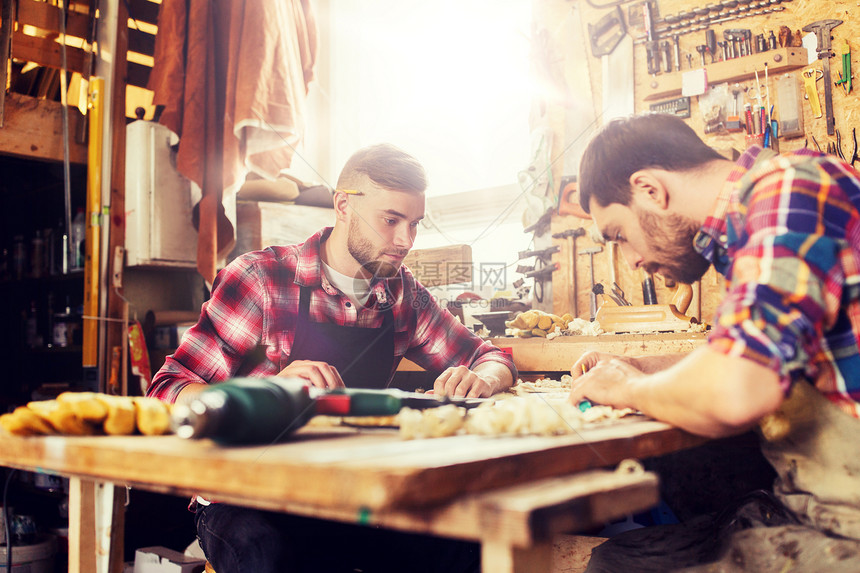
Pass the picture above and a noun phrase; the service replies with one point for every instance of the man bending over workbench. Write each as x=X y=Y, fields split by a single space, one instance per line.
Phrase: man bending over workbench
x=782 y=356
x=338 y=310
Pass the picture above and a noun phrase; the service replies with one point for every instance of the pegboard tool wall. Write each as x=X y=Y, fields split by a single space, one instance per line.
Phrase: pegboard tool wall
x=759 y=17
x=794 y=14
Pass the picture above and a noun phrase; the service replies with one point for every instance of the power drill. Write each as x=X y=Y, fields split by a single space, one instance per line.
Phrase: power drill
x=267 y=410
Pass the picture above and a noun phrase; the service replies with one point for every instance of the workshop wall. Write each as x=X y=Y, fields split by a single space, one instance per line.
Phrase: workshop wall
x=708 y=115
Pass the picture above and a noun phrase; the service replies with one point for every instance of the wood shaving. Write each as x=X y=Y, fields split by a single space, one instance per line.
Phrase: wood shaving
x=526 y=415
x=431 y=423
x=323 y=421
x=697 y=327
x=538 y=407
x=542 y=385
x=581 y=327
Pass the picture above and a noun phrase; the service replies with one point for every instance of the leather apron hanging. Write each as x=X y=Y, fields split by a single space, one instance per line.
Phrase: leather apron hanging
x=364 y=357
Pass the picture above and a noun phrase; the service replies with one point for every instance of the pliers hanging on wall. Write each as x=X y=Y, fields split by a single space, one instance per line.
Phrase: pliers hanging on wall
x=839 y=145
x=806 y=144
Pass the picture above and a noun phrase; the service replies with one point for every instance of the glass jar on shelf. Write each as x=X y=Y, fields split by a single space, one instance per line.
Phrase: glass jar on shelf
x=19 y=257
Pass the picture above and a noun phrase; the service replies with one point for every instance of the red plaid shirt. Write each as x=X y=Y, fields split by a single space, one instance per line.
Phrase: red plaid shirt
x=254 y=308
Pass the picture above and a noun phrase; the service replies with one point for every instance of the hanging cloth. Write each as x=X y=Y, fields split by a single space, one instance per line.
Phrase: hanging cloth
x=232 y=77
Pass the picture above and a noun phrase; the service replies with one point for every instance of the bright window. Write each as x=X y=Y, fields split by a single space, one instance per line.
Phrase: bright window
x=449 y=82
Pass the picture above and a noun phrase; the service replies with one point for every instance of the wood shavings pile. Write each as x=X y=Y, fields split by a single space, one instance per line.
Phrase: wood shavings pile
x=513 y=416
x=546 y=325
x=697 y=327
x=582 y=327
x=543 y=385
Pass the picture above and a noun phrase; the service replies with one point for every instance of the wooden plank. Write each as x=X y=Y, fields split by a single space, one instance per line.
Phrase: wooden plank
x=519 y=516
x=522 y=516
x=7 y=17
x=82 y=525
x=34 y=129
x=93 y=244
x=47 y=17
x=442 y=265
x=46 y=52
x=117 y=530
x=144 y=10
x=501 y=558
x=96 y=522
x=779 y=61
x=642 y=318
x=343 y=467
x=559 y=354
x=115 y=333
x=527 y=514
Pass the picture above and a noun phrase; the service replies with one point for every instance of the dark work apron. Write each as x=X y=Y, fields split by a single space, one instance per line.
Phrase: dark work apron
x=364 y=357
x=811 y=522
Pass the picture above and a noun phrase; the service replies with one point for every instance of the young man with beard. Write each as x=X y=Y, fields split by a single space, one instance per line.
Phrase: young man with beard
x=782 y=356
x=337 y=310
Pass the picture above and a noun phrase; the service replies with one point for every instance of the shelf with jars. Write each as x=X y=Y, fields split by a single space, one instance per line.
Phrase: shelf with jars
x=41 y=278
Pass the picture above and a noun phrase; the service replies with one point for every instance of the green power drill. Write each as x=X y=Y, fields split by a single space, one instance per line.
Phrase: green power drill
x=267 y=410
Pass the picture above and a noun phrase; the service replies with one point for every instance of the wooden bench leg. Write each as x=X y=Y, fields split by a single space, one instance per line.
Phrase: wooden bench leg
x=96 y=520
x=500 y=557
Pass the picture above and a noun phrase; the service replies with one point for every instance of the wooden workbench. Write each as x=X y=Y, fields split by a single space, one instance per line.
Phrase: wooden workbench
x=558 y=355
x=510 y=493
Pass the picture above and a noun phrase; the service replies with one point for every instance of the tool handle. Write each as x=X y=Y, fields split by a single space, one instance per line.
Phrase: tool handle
x=810 y=78
x=682 y=297
x=359 y=402
x=387 y=402
x=649 y=293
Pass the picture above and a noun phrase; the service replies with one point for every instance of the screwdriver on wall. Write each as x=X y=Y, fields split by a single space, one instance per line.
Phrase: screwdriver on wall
x=702 y=49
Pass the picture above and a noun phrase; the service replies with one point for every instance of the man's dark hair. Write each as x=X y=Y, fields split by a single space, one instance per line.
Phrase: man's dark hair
x=387 y=166
x=626 y=145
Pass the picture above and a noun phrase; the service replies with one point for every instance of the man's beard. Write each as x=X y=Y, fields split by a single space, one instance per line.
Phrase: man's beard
x=362 y=250
x=670 y=239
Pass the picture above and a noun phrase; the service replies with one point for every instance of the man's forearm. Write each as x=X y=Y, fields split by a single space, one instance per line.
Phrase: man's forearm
x=656 y=363
x=189 y=392
x=497 y=371
x=709 y=393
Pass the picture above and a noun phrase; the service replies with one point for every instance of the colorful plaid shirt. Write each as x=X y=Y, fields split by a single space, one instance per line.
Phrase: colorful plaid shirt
x=254 y=308
x=785 y=233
